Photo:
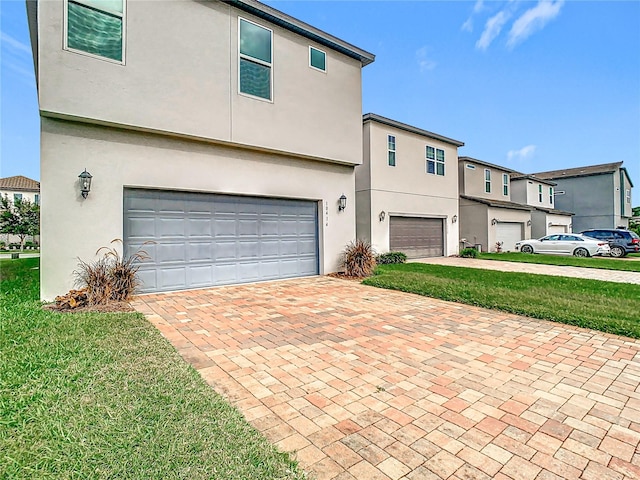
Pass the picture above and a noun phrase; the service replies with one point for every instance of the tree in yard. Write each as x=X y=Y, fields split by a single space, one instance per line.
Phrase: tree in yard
x=21 y=218
x=634 y=223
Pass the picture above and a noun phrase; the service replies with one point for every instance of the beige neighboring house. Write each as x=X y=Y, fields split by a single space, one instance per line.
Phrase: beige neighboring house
x=488 y=214
x=15 y=188
x=224 y=131
x=540 y=194
x=407 y=189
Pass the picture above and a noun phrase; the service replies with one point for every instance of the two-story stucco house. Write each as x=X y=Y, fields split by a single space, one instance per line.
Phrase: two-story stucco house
x=488 y=215
x=225 y=132
x=600 y=195
x=407 y=189
x=15 y=188
x=540 y=194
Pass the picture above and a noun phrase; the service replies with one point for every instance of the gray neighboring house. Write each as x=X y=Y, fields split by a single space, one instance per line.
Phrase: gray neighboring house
x=599 y=195
x=540 y=194
x=226 y=132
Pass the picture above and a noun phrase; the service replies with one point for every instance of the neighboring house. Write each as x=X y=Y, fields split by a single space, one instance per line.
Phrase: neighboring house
x=407 y=189
x=600 y=195
x=19 y=188
x=225 y=132
x=487 y=213
x=538 y=193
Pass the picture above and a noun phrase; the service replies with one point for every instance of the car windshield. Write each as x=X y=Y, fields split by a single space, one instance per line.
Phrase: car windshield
x=634 y=235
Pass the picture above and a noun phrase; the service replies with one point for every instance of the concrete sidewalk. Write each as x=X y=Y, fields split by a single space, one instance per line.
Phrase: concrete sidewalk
x=558 y=271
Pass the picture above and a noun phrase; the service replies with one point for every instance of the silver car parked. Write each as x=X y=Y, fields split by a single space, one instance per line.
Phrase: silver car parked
x=565 y=244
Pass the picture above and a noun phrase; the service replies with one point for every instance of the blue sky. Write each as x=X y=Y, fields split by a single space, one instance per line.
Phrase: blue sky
x=532 y=86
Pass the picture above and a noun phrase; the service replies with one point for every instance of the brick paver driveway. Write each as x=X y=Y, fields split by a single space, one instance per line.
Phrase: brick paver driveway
x=366 y=383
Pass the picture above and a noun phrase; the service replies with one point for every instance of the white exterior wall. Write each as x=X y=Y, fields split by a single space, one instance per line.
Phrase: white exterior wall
x=472 y=181
x=181 y=76
x=406 y=189
x=26 y=195
x=73 y=227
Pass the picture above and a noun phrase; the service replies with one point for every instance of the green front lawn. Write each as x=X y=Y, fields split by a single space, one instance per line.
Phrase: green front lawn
x=606 y=263
x=106 y=396
x=605 y=306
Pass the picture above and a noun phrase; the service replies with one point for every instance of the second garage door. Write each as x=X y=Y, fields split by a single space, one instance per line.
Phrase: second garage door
x=202 y=240
x=508 y=233
x=416 y=237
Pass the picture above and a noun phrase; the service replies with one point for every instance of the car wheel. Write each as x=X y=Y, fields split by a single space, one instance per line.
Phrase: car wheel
x=580 y=252
x=617 y=252
x=526 y=249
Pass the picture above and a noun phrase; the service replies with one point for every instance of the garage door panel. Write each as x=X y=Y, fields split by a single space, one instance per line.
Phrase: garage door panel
x=416 y=237
x=209 y=239
x=172 y=278
x=509 y=233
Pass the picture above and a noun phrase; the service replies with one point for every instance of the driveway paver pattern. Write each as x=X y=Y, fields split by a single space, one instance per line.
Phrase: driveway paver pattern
x=364 y=383
x=617 y=276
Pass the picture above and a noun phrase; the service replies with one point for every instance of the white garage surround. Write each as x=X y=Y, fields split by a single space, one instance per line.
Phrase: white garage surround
x=202 y=239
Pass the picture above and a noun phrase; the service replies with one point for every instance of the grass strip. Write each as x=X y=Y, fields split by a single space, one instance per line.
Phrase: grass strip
x=606 y=306
x=605 y=263
x=106 y=396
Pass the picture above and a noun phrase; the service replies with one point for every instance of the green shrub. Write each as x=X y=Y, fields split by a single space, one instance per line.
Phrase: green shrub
x=391 y=258
x=469 y=253
x=359 y=259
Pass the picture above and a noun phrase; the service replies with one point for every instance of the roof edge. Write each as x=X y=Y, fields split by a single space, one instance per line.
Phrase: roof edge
x=281 y=19
x=372 y=117
x=488 y=164
x=495 y=204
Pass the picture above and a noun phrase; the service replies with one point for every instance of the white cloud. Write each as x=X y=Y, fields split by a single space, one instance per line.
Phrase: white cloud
x=14 y=44
x=478 y=6
x=520 y=155
x=492 y=29
x=424 y=62
x=467 y=26
x=532 y=20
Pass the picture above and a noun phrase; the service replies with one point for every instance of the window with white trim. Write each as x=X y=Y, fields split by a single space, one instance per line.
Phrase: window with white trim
x=435 y=160
x=487 y=180
x=95 y=27
x=627 y=195
x=17 y=197
x=505 y=184
x=551 y=195
x=391 y=150
x=255 y=60
x=540 y=193
x=317 y=59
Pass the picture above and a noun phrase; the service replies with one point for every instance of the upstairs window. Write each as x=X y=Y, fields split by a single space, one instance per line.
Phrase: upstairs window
x=255 y=60
x=391 y=150
x=551 y=195
x=36 y=199
x=435 y=160
x=17 y=197
x=96 y=27
x=540 y=193
x=487 y=180
x=317 y=59
x=627 y=194
x=505 y=184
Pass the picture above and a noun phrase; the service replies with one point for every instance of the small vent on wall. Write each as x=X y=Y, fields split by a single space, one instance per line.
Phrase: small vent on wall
x=471 y=167
x=559 y=192
x=530 y=182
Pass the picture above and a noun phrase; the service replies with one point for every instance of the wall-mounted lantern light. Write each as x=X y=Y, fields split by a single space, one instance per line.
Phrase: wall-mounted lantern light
x=550 y=224
x=528 y=223
x=494 y=221
x=342 y=202
x=454 y=219
x=381 y=216
x=85 y=183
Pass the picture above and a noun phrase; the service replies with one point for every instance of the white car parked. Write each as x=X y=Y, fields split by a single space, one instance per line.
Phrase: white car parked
x=565 y=244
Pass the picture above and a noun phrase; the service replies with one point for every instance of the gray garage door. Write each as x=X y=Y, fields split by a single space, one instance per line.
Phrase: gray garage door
x=508 y=233
x=206 y=239
x=416 y=237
